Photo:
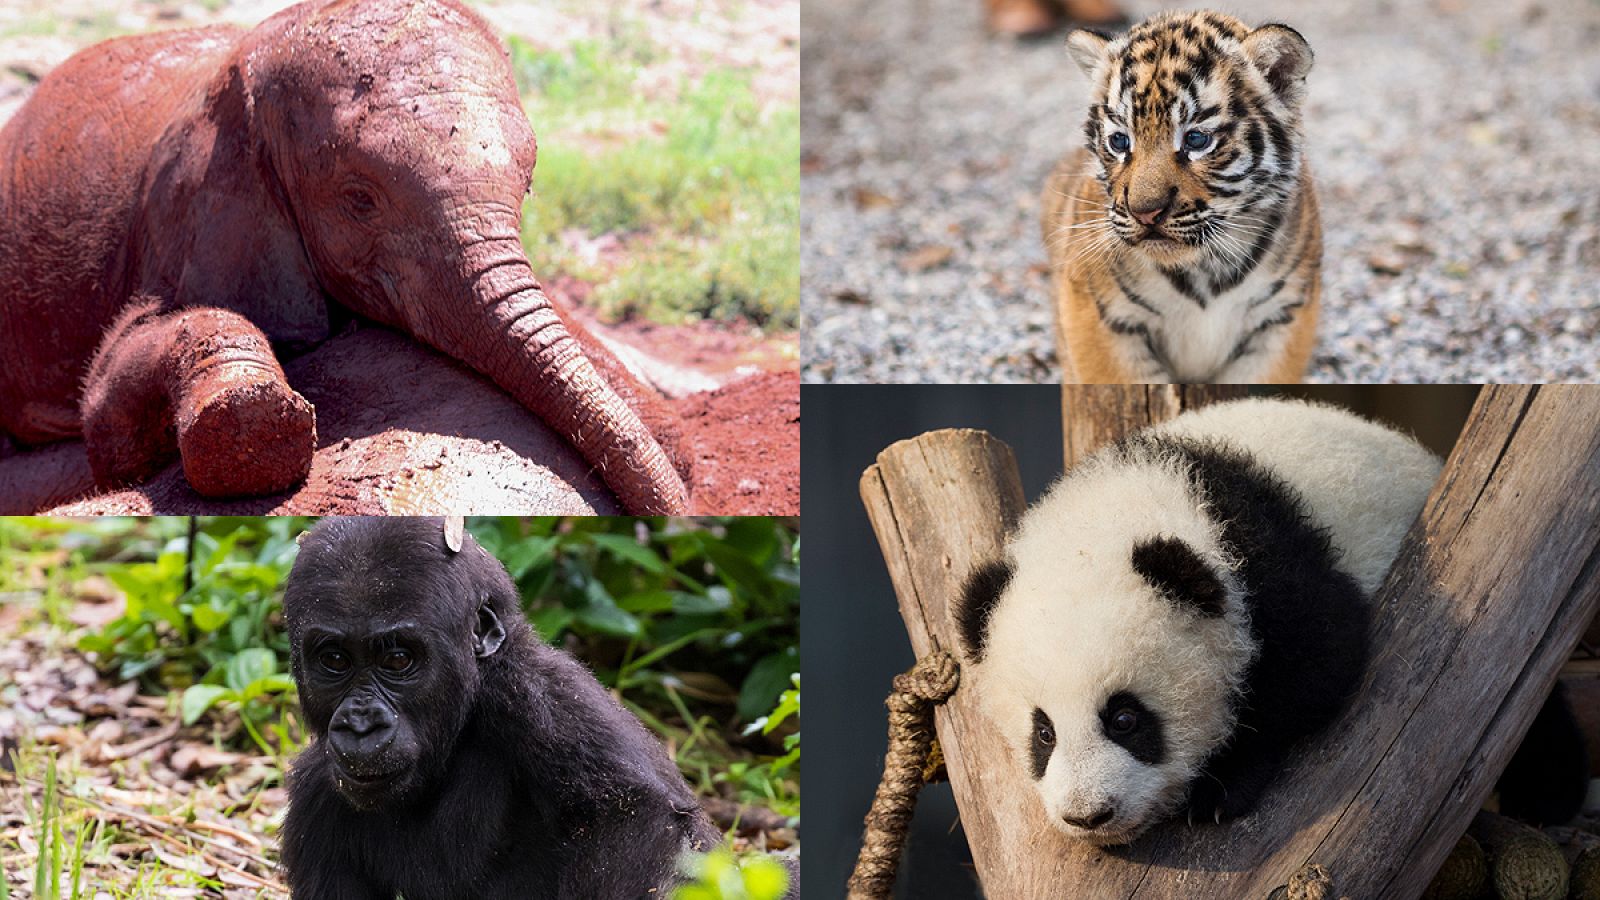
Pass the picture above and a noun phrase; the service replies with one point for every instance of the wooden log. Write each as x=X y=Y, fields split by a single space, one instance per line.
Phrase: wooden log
x=1490 y=593
x=1096 y=414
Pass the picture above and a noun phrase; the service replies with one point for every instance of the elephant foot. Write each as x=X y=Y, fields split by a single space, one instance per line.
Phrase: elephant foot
x=202 y=384
x=241 y=434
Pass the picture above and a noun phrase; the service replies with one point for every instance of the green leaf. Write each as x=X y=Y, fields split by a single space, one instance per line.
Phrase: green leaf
x=527 y=553
x=768 y=678
x=208 y=618
x=550 y=621
x=764 y=878
x=649 y=601
x=716 y=599
x=629 y=550
x=249 y=665
x=610 y=620
x=272 y=684
x=197 y=698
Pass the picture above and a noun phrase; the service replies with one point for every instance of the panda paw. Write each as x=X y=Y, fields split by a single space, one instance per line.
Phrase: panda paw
x=1211 y=802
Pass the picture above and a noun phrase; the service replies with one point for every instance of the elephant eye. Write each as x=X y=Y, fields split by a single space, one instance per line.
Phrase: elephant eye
x=360 y=202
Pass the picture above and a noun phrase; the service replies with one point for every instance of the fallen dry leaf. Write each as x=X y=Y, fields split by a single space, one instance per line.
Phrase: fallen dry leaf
x=926 y=257
x=866 y=198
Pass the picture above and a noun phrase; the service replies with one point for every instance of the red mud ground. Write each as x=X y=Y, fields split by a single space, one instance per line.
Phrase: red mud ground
x=404 y=430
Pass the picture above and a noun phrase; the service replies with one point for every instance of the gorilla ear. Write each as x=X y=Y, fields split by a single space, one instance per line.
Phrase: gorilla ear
x=980 y=594
x=488 y=634
x=1179 y=574
x=1283 y=57
x=1088 y=49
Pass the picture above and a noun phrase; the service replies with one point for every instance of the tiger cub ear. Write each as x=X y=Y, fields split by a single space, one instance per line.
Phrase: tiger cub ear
x=1283 y=57
x=1088 y=49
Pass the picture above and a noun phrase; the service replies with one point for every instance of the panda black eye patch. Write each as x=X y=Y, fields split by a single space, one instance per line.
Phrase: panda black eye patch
x=1134 y=727
x=1173 y=568
x=1043 y=743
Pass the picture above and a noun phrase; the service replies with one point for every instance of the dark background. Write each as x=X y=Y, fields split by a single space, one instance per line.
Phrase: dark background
x=854 y=642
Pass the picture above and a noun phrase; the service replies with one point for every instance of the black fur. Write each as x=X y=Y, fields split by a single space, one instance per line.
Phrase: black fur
x=979 y=595
x=1546 y=781
x=1042 y=743
x=1147 y=740
x=530 y=779
x=1310 y=619
x=1173 y=568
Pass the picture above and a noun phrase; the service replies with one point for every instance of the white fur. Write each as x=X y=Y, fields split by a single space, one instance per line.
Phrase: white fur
x=1362 y=481
x=1077 y=624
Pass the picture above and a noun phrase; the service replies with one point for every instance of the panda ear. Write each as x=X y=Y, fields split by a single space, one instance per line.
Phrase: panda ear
x=979 y=596
x=1177 y=571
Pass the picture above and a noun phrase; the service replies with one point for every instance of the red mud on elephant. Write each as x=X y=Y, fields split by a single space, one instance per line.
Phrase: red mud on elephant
x=184 y=218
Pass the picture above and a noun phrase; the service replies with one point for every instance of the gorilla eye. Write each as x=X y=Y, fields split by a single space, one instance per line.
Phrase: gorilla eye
x=1124 y=722
x=397 y=661
x=1119 y=142
x=334 y=661
x=1196 y=141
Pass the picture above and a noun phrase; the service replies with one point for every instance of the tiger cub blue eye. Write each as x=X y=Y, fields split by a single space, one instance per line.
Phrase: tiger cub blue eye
x=1196 y=140
x=1119 y=142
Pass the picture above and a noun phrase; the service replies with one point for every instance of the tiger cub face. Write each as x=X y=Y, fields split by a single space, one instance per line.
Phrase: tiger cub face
x=1196 y=124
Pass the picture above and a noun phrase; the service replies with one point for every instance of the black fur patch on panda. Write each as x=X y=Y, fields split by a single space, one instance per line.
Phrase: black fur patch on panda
x=979 y=596
x=1041 y=744
x=1546 y=781
x=1309 y=618
x=1146 y=741
x=1173 y=568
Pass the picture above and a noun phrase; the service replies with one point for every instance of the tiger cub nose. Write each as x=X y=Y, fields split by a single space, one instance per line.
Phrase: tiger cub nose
x=1151 y=212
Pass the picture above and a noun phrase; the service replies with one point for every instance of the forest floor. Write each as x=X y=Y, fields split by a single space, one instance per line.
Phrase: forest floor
x=1453 y=143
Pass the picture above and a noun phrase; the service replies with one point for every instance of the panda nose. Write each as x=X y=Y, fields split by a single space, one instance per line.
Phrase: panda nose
x=1093 y=820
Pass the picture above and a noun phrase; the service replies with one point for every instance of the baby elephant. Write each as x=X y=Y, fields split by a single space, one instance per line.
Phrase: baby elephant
x=456 y=754
x=174 y=206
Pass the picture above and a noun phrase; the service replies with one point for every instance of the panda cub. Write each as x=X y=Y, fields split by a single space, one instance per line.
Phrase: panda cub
x=1184 y=605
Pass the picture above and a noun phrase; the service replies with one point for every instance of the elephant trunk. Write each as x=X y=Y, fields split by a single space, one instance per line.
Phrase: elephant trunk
x=510 y=332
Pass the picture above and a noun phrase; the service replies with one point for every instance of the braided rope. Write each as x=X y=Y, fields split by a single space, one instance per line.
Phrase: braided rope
x=928 y=684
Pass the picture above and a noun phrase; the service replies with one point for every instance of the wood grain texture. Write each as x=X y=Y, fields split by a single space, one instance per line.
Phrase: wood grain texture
x=1095 y=415
x=1491 y=591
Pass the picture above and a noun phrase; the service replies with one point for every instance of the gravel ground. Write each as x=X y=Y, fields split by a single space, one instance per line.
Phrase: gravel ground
x=1455 y=144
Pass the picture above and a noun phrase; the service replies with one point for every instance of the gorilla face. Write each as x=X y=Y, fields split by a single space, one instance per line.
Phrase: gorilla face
x=385 y=638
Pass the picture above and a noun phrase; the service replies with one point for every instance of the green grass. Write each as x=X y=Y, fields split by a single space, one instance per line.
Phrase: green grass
x=703 y=187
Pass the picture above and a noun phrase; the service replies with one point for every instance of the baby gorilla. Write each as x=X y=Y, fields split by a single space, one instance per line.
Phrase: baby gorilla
x=456 y=754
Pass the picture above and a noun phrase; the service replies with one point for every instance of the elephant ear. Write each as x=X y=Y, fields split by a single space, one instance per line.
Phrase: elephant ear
x=217 y=226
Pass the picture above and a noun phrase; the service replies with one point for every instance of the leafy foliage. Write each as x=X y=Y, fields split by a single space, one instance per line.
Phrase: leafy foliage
x=693 y=622
x=721 y=875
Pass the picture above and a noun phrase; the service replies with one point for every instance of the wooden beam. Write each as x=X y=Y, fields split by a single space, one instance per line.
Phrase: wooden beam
x=1492 y=588
x=1096 y=414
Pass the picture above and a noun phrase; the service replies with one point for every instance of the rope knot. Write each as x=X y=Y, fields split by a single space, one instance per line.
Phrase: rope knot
x=916 y=692
x=932 y=680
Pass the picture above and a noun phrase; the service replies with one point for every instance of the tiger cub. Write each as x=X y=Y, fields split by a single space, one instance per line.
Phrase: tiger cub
x=1184 y=239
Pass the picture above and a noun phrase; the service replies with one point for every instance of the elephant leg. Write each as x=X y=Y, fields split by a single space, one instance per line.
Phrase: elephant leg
x=651 y=408
x=205 y=384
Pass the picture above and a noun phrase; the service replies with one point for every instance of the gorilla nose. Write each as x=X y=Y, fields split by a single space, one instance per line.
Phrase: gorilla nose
x=1152 y=211
x=1093 y=820
x=362 y=731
